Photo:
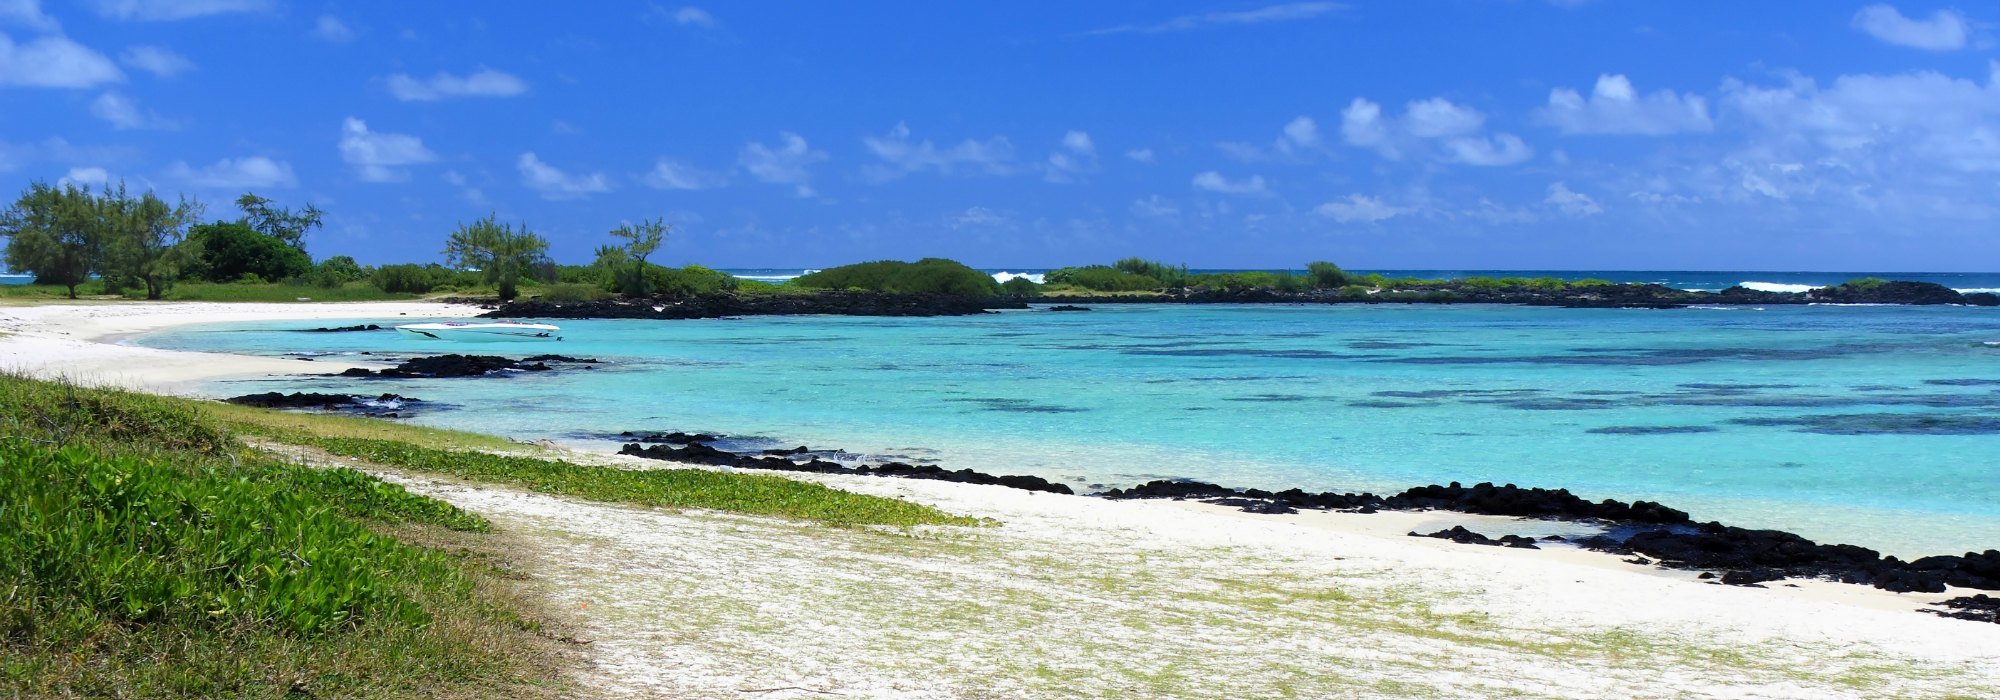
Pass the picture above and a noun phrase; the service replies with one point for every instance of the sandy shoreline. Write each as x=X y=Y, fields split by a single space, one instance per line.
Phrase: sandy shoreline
x=1551 y=589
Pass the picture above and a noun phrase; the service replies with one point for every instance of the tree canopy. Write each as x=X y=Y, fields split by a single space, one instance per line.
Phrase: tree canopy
x=279 y=222
x=499 y=251
x=57 y=233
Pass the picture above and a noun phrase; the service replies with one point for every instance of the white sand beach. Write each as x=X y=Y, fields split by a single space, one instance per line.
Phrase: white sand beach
x=1072 y=596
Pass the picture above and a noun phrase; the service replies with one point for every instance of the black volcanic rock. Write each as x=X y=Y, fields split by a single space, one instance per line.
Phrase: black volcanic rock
x=442 y=366
x=1921 y=293
x=1978 y=608
x=1067 y=307
x=383 y=406
x=345 y=329
x=1459 y=534
x=702 y=453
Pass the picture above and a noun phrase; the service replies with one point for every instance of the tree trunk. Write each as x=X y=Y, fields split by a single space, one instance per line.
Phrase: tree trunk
x=72 y=290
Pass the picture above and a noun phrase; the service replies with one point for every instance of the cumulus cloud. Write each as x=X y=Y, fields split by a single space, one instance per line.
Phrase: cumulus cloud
x=1078 y=156
x=124 y=114
x=1155 y=206
x=330 y=29
x=1567 y=201
x=378 y=156
x=157 y=60
x=1436 y=127
x=1287 y=12
x=27 y=14
x=1359 y=208
x=1876 y=123
x=86 y=176
x=54 y=61
x=485 y=82
x=163 y=10
x=1615 y=108
x=554 y=184
x=789 y=163
x=1944 y=30
x=902 y=155
x=1213 y=181
x=670 y=174
x=247 y=173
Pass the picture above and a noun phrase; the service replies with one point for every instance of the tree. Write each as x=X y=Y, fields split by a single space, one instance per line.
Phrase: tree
x=1326 y=275
x=56 y=233
x=628 y=261
x=147 y=239
x=230 y=250
x=497 y=250
x=279 y=222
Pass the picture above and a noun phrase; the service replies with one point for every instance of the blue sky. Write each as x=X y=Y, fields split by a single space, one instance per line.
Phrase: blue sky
x=1468 y=134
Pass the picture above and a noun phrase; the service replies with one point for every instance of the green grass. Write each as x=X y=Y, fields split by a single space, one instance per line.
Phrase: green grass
x=145 y=553
x=754 y=494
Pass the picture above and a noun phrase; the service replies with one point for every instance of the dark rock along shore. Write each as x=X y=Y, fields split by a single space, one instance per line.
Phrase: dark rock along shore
x=862 y=303
x=1670 y=537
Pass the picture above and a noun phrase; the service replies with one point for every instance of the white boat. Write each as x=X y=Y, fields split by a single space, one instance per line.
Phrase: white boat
x=480 y=332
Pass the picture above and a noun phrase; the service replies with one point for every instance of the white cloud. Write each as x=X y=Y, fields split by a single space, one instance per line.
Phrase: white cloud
x=1944 y=30
x=1359 y=208
x=28 y=15
x=1155 y=206
x=1576 y=204
x=330 y=28
x=1876 y=123
x=555 y=184
x=900 y=155
x=1078 y=156
x=978 y=216
x=1300 y=132
x=54 y=61
x=689 y=16
x=788 y=164
x=1437 y=117
x=1434 y=127
x=157 y=60
x=124 y=114
x=1615 y=108
x=484 y=82
x=1140 y=155
x=1213 y=181
x=1273 y=13
x=1500 y=149
x=160 y=10
x=378 y=156
x=670 y=174
x=251 y=172
x=1361 y=124
x=86 y=176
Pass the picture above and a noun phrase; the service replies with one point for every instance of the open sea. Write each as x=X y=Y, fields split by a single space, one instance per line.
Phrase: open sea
x=1871 y=425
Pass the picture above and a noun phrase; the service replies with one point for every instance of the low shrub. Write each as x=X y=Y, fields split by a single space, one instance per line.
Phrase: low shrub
x=572 y=292
x=926 y=276
x=1102 y=278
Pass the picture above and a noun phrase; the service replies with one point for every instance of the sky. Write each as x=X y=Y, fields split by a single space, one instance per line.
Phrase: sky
x=1440 y=134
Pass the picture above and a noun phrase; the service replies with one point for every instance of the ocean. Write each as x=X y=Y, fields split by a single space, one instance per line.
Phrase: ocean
x=1708 y=281
x=1870 y=425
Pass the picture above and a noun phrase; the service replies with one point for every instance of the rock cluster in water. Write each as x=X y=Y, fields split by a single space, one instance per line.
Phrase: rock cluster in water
x=345 y=329
x=383 y=406
x=700 y=452
x=719 y=305
x=440 y=366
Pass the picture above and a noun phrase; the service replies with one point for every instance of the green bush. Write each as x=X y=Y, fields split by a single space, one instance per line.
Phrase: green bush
x=1864 y=284
x=411 y=279
x=1326 y=275
x=1103 y=278
x=571 y=292
x=1353 y=291
x=693 y=280
x=231 y=250
x=1174 y=276
x=1020 y=287
x=926 y=276
x=1590 y=282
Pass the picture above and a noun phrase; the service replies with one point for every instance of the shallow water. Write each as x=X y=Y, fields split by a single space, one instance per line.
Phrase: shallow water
x=1878 y=426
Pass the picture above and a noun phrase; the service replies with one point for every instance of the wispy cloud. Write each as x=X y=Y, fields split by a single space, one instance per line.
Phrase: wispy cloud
x=157 y=60
x=378 y=156
x=166 y=10
x=330 y=29
x=1288 y=12
x=27 y=13
x=1944 y=30
x=237 y=173
x=124 y=114
x=554 y=184
x=789 y=163
x=486 y=82
x=54 y=61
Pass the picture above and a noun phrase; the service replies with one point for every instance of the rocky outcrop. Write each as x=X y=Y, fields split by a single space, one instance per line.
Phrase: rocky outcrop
x=700 y=452
x=1978 y=608
x=345 y=329
x=838 y=303
x=1628 y=296
x=1459 y=534
x=441 y=366
x=383 y=406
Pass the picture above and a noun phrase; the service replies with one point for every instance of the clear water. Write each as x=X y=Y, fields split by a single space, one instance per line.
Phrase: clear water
x=1342 y=397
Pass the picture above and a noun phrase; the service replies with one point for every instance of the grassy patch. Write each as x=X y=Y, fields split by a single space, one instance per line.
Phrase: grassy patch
x=352 y=291
x=755 y=494
x=144 y=553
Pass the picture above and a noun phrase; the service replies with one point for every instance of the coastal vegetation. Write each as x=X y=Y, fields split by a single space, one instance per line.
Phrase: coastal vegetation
x=926 y=276
x=155 y=546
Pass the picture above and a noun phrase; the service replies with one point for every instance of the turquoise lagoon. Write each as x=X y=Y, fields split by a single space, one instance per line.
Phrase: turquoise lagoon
x=1877 y=426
